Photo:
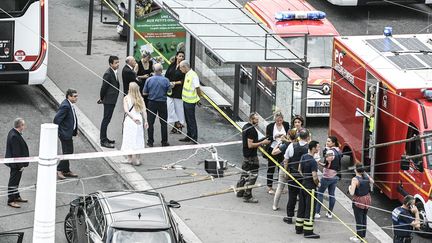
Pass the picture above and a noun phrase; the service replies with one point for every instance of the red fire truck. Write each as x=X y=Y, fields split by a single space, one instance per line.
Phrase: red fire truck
x=301 y=19
x=382 y=93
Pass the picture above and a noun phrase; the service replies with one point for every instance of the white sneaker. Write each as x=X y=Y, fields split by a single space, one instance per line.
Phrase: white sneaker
x=329 y=215
x=317 y=216
x=354 y=239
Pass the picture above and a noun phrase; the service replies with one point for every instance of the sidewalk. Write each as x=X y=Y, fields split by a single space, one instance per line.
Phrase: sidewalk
x=222 y=218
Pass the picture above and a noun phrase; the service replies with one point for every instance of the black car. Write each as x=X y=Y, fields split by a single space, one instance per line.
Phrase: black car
x=121 y=216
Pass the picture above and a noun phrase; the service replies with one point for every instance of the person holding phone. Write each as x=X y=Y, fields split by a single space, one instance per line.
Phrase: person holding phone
x=405 y=218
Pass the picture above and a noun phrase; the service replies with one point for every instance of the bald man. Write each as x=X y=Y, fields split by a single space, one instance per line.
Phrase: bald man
x=156 y=88
x=128 y=74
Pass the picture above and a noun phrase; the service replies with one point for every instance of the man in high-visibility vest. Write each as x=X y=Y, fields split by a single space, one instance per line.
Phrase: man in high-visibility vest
x=190 y=96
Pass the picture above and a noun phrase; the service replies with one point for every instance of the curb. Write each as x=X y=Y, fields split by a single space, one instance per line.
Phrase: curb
x=127 y=172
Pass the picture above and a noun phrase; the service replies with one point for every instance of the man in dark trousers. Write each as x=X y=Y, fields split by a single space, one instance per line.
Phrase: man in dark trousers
x=309 y=170
x=16 y=147
x=405 y=218
x=156 y=88
x=250 y=164
x=108 y=97
x=291 y=161
x=128 y=73
x=67 y=122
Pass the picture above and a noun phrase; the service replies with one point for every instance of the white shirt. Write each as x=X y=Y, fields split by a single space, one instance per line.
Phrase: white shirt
x=115 y=72
x=277 y=135
x=290 y=150
x=74 y=114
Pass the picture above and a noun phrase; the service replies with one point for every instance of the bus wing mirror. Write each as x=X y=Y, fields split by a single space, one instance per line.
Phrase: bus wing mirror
x=404 y=163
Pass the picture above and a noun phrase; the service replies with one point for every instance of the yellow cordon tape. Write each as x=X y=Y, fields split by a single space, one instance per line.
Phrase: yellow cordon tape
x=136 y=32
x=238 y=127
x=281 y=167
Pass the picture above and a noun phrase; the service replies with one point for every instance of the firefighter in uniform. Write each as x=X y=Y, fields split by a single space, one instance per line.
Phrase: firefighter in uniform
x=403 y=220
x=291 y=161
x=308 y=167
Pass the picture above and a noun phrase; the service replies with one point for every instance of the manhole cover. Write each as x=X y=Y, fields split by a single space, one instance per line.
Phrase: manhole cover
x=70 y=43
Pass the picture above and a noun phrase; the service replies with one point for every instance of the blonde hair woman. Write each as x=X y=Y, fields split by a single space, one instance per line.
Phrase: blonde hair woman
x=133 y=125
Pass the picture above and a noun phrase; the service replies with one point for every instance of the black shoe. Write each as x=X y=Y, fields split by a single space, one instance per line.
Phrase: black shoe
x=299 y=232
x=288 y=220
x=165 y=144
x=312 y=236
x=110 y=141
x=194 y=141
x=150 y=145
x=240 y=193
x=106 y=144
x=185 y=139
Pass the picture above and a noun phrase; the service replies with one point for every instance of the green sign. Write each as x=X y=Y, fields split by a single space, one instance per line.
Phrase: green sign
x=165 y=35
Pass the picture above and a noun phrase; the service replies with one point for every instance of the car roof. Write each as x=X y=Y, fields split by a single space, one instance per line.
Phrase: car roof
x=136 y=210
x=268 y=9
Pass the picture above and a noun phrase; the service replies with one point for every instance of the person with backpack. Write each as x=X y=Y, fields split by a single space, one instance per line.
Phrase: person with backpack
x=360 y=190
x=291 y=162
x=329 y=180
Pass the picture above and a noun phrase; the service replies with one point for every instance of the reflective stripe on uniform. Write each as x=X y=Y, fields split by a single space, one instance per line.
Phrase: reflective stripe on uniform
x=311 y=216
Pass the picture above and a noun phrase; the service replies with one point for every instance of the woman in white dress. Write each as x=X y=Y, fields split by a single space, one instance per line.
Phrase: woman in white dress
x=133 y=126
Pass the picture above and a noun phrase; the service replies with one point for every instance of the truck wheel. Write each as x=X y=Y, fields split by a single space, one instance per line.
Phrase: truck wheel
x=424 y=231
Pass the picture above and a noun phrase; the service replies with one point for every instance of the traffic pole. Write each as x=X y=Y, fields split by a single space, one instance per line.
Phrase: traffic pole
x=45 y=208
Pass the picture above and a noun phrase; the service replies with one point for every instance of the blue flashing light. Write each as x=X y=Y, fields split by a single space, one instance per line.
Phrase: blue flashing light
x=294 y=15
x=388 y=31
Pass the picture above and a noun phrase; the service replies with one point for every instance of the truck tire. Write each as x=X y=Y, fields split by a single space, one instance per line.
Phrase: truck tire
x=425 y=231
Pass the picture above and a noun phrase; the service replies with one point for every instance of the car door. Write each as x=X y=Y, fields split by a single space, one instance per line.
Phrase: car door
x=95 y=220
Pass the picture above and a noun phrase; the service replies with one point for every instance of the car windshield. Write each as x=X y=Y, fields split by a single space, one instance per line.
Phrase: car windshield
x=123 y=236
x=319 y=49
x=428 y=148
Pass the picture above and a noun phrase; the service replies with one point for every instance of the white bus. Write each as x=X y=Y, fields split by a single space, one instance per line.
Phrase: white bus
x=23 y=41
x=366 y=2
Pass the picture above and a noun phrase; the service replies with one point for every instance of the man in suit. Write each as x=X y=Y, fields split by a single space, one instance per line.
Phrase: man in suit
x=67 y=122
x=16 y=147
x=108 y=97
x=128 y=73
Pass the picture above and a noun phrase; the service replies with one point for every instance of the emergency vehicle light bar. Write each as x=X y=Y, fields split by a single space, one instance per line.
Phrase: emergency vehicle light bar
x=294 y=15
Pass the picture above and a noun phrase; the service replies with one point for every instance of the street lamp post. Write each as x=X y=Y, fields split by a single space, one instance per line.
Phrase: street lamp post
x=45 y=208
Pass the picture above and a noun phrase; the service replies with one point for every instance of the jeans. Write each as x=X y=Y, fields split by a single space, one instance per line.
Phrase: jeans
x=361 y=220
x=159 y=108
x=192 y=129
x=283 y=179
x=67 y=148
x=108 y=112
x=330 y=184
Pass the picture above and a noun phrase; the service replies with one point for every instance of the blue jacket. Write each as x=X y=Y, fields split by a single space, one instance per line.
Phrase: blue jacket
x=65 y=120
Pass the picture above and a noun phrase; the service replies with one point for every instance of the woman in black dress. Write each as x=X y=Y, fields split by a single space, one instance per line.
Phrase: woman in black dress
x=174 y=100
x=144 y=70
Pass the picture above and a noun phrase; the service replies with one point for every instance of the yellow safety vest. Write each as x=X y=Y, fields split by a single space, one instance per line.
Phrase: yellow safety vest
x=189 y=94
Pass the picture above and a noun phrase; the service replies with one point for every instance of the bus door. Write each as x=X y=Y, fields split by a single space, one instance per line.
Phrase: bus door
x=370 y=121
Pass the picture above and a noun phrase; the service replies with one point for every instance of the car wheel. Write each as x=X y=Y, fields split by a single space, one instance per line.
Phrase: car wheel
x=424 y=231
x=69 y=228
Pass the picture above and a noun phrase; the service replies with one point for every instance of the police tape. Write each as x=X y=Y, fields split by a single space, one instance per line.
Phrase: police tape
x=116 y=153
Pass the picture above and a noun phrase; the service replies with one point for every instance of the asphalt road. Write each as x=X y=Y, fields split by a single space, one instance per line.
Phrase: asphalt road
x=30 y=103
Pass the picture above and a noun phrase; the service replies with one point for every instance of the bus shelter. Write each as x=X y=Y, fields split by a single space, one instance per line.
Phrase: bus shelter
x=227 y=34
